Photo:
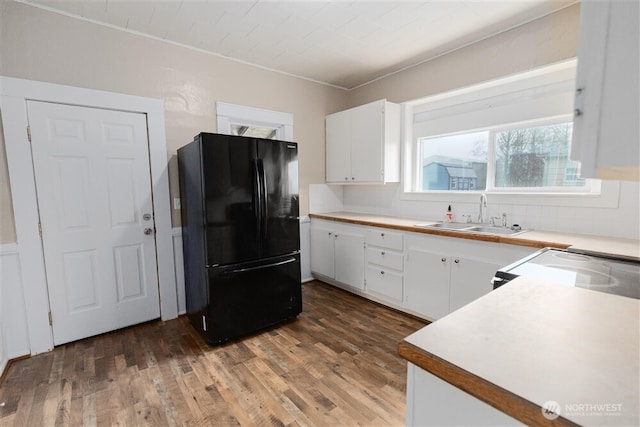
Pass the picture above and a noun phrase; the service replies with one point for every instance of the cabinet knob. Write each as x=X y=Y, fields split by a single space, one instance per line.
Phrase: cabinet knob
x=381 y=234
x=382 y=253
x=346 y=178
x=382 y=272
x=353 y=178
x=329 y=233
x=443 y=259
x=457 y=261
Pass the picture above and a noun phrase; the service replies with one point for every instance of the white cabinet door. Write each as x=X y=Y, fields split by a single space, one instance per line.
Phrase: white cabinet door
x=606 y=131
x=363 y=144
x=367 y=142
x=432 y=401
x=426 y=277
x=322 y=251
x=385 y=283
x=349 y=259
x=470 y=279
x=338 y=146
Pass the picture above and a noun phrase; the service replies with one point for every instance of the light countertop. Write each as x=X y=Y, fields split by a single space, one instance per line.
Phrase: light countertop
x=530 y=342
x=624 y=248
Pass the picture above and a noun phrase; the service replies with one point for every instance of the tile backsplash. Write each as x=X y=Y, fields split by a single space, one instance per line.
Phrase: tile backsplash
x=622 y=221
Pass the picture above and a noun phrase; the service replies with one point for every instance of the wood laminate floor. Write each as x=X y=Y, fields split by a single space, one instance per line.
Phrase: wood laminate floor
x=336 y=364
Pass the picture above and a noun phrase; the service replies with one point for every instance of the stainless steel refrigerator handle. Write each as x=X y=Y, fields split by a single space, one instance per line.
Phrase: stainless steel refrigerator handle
x=258 y=199
x=259 y=267
x=265 y=198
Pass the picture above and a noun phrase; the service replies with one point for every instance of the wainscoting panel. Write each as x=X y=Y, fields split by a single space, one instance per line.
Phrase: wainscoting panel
x=176 y=232
x=14 y=338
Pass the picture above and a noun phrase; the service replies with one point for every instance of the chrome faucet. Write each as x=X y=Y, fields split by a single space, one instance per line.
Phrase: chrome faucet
x=483 y=204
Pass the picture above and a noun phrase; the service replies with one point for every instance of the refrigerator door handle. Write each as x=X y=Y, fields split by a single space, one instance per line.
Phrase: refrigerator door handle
x=265 y=198
x=259 y=267
x=257 y=192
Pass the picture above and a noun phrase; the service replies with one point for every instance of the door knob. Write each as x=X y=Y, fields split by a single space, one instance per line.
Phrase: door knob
x=146 y=217
x=148 y=231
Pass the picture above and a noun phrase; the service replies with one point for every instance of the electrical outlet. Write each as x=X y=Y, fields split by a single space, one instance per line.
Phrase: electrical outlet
x=176 y=203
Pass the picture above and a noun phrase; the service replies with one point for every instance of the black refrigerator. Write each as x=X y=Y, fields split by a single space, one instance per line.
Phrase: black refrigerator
x=240 y=234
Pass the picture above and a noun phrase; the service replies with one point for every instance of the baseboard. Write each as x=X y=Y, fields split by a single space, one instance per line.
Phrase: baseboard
x=7 y=365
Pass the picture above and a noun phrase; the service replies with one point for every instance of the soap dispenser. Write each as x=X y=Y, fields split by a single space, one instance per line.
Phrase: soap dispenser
x=448 y=216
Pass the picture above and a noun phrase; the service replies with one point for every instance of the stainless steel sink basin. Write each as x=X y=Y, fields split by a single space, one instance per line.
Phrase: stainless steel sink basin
x=445 y=225
x=475 y=228
x=494 y=230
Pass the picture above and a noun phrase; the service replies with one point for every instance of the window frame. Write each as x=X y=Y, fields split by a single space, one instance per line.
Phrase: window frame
x=233 y=114
x=603 y=194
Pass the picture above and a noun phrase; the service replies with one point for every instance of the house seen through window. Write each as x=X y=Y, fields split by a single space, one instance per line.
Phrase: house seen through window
x=533 y=157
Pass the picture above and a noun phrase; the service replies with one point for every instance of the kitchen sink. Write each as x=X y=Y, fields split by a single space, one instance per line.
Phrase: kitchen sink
x=474 y=228
x=494 y=230
x=445 y=225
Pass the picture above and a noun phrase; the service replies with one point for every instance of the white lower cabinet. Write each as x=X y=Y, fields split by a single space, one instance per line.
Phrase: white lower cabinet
x=337 y=252
x=425 y=275
x=349 y=258
x=322 y=250
x=471 y=278
x=432 y=401
x=442 y=274
x=384 y=259
x=426 y=282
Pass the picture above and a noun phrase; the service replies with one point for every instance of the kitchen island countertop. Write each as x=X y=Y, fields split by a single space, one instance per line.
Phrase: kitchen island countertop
x=531 y=342
x=624 y=248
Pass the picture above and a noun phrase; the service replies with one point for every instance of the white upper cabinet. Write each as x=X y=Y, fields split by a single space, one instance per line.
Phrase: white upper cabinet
x=363 y=144
x=606 y=133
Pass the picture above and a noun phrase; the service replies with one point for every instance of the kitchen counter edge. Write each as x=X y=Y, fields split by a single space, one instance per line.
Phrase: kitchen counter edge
x=492 y=373
x=623 y=248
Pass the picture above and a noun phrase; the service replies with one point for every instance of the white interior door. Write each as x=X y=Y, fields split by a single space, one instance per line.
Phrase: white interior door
x=94 y=197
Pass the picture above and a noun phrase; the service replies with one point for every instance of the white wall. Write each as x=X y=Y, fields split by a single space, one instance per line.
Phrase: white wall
x=45 y=46
x=621 y=221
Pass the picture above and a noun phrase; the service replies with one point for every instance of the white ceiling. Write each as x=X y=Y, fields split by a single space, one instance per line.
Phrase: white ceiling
x=340 y=43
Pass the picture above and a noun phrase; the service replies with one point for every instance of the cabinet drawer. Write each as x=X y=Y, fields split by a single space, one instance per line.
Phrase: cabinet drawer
x=384 y=258
x=384 y=282
x=384 y=239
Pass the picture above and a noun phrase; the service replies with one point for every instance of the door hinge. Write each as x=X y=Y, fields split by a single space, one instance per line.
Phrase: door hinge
x=50 y=319
x=40 y=228
x=29 y=133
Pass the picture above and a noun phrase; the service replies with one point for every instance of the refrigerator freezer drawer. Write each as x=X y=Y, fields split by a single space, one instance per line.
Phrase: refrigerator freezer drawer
x=245 y=298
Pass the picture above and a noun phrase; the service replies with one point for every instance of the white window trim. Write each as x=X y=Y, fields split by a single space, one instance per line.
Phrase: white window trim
x=228 y=114
x=609 y=190
x=13 y=96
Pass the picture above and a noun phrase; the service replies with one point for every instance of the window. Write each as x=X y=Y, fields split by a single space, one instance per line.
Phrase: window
x=510 y=136
x=248 y=121
x=254 y=131
x=534 y=157
x=456 y=162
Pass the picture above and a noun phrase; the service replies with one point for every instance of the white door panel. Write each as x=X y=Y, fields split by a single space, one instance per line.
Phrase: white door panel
x=94 y=189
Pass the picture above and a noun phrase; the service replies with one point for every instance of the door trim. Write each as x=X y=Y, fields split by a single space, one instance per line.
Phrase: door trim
x=13 y=96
